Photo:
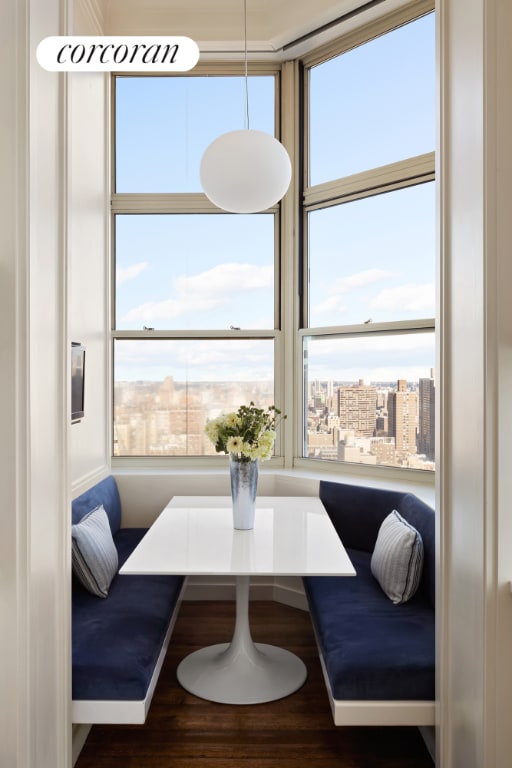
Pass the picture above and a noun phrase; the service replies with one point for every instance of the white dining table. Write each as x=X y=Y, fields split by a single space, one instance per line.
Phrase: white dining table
x=194 y=535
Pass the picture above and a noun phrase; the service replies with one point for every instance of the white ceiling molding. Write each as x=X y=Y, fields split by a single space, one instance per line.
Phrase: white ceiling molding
x=275 y=30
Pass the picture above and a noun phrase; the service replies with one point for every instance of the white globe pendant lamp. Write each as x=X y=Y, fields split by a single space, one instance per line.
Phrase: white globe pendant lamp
x=245 y=171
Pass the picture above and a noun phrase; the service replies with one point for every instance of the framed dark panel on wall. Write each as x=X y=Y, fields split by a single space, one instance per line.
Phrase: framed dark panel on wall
x=77 y=381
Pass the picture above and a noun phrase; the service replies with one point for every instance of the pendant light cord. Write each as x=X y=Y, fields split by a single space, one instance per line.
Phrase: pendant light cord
x=246 y=77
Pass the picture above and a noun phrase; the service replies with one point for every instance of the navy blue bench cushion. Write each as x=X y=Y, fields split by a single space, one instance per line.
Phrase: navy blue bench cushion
x=116 y=641
x=372 y=649
x=357 y=512
x=423 y=518
x=106 y=493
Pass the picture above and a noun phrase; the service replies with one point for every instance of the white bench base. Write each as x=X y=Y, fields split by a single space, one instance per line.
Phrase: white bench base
x=389 y=712
x=125 y=712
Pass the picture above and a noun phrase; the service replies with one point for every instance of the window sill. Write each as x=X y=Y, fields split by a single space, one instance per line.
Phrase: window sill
x=422 y=484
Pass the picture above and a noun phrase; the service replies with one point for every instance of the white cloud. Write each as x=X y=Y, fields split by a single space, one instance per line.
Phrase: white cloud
x=379 y=357
x=412 y=297
x=335 y=292
x=331 y=304
x=358 y=280
x=205 y=291
x=130 y=273
x=224 y=279
x=197 y=360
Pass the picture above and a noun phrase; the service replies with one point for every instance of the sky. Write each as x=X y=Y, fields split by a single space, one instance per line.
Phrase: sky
x=195 y=271
x=370 y=259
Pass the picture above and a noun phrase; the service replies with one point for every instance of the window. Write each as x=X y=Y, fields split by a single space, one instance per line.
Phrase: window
x=196 y=302
x=188 y=271
x=370 y=399
x=373 y=258
x=166 y=389
x=325 y=305
x=374 y=104
x=369 y=252
x=164 y=124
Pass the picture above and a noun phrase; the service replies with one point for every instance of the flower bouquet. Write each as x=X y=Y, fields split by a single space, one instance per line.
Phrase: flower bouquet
x=248 y=434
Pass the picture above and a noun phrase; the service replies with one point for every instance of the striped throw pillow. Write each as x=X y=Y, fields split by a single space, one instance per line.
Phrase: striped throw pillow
x=93 y=552
x=397 y=560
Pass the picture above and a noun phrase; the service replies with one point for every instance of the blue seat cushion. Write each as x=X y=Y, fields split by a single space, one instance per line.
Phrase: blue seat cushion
x=117 y=641
x=372 y=649
x=106 y=494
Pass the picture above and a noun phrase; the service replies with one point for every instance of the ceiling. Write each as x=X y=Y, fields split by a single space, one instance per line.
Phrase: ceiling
x=276 y=29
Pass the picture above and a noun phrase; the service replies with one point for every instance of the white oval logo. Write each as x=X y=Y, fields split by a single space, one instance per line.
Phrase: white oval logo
x=76 y=53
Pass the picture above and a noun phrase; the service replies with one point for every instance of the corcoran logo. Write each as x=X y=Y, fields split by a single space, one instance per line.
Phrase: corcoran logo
x=120 y=54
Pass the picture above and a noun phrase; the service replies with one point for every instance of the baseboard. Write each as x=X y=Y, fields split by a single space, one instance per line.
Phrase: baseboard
x=79 y=736
x=428 y=734
x=263 y=588
x=290 y=595
x=224 y=589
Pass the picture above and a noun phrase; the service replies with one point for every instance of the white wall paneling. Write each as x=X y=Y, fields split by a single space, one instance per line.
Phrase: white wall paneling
x=474 y=485
x=88 y=264
x=35 y=583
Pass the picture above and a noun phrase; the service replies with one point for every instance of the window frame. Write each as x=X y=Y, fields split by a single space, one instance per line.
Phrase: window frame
x=291 y=99
x=129 y=203
x=402 y=174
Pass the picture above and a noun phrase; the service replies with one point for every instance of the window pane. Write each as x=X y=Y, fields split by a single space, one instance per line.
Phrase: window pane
x=164 y=124
x=374 y=105
x=195 y=271
x=164 y=391
x=373 y=259
x=370 y=399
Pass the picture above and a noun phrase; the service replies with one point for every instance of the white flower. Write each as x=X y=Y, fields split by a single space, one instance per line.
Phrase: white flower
x=268 y=437
x=234 y=444
x=232 y=420
x=265 y=452
x=251 y=451
x=212 y=429
x=249 y=433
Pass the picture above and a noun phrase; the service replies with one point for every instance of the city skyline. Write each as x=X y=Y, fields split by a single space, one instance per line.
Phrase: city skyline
x=385 y=422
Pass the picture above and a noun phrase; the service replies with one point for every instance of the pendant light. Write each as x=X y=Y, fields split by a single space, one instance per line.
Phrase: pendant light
x=245 y=171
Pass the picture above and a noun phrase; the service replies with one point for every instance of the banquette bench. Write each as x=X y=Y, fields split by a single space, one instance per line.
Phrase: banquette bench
x=378 y=657
x=119 y=640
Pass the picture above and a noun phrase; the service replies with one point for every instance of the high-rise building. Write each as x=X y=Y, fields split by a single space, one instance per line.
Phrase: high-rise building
x=357 y=408
x=426 y=417
x=403 y=418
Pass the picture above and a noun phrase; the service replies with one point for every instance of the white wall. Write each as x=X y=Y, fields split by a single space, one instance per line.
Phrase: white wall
x=48 y=261
x=501 y=142
x=474 y=478
x=88 y=265
x=34 y=583
x=13 y=391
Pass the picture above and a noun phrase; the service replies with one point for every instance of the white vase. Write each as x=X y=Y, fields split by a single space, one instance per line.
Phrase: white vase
x=244 y=484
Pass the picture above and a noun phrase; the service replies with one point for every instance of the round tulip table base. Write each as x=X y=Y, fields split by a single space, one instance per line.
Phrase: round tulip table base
x=241 y=672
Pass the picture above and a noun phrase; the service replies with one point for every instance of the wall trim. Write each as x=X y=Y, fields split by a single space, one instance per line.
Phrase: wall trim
x=85 y=482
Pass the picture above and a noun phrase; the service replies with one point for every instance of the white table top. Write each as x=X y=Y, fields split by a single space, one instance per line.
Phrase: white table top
x=292 y=536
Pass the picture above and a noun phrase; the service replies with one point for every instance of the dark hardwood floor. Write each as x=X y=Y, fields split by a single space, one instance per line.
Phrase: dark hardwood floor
x=182 y=731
